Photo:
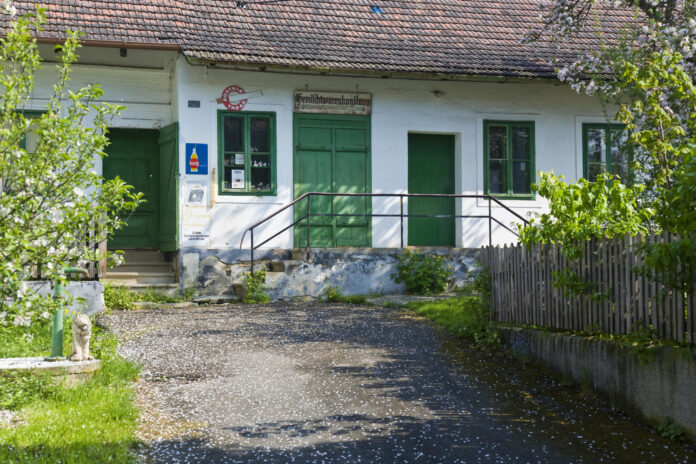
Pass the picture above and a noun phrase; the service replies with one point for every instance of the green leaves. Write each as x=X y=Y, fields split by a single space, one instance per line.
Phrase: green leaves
x=51 y=198
x=586 y=210
x=422 y=273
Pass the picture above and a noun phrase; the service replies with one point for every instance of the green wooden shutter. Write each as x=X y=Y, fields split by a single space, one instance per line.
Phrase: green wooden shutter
x=169 y=188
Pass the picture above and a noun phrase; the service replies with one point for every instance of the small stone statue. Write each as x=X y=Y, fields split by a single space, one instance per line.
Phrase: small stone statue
x=82 y=331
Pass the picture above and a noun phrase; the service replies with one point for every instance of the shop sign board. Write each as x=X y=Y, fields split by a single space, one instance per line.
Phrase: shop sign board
x=309 y=101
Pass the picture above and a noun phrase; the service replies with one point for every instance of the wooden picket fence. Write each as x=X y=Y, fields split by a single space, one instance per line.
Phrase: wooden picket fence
x=523 y=290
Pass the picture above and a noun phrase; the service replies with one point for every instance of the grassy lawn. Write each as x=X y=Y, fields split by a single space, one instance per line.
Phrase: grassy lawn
x=92 y=423
x=463 y=316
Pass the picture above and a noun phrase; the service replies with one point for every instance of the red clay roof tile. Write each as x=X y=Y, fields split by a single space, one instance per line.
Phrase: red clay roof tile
x=431 y=36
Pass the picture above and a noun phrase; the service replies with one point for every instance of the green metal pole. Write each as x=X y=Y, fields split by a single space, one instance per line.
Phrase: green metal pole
x=57 y=329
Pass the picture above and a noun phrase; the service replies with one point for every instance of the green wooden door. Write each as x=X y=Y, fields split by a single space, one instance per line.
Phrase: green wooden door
x=133 y=155
x=169 y=188
x=332 y=154
x=430 y=170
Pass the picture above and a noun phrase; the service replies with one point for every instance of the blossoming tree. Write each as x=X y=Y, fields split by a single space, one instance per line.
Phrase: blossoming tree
x=51 y=198
x=648 y=74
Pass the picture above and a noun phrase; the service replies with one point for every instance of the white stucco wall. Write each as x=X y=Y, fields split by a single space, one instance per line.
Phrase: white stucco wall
x=141 y=82
x=399 y=107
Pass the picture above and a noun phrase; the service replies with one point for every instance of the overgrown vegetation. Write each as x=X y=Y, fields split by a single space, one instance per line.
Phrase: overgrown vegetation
x=646 y=79
x=255 y=288
x=334 y=295
x=93 y=422
x=118 y=296
x=466 y=316
x=51 y=197
x=422 y=273
x=669 y=429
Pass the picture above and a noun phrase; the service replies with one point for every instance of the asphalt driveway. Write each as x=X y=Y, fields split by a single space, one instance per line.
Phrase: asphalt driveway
x=326 y=383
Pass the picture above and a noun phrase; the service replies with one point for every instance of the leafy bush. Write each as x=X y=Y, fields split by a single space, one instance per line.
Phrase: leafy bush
x=334 y=295
x=422 y=273
x=118 y=296
x=256 y=288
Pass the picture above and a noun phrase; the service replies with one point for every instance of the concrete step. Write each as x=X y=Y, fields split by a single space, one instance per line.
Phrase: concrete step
x=144 y=266
x=146 y=278
x=165 y=289
x=131 y=256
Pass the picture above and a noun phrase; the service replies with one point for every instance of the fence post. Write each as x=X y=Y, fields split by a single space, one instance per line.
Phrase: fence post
x=401 y=218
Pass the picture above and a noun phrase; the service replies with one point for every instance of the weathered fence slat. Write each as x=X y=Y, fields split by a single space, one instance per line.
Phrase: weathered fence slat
x=617 y=298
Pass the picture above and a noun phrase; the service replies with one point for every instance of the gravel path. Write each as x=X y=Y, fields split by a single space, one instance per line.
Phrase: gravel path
x=322 y=383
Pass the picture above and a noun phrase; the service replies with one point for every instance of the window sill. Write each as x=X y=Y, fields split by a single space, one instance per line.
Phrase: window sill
x=266 y=193
x=531 y=197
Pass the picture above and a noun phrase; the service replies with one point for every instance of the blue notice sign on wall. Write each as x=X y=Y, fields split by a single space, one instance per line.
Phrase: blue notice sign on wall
x=196 y=158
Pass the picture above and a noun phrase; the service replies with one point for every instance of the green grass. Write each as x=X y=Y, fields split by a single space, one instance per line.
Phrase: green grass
x=91 y=423
x=334 y=295
x=117 y=296
x=464 y=316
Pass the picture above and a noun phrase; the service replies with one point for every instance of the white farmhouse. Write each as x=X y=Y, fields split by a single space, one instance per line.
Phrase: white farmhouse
x=237 y=108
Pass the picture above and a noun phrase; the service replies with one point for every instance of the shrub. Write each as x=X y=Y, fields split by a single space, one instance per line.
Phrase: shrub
x=256 y=288
x=117 y=296
x=422 y=273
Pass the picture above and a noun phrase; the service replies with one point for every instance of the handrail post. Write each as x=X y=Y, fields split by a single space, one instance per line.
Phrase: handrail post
x=490 y=223
x=309 y=227
x=252 y=251
x=401 y=218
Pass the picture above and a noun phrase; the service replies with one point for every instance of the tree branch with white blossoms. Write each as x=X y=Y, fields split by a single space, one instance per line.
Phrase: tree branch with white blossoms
x=649 y=76
x=51 y=199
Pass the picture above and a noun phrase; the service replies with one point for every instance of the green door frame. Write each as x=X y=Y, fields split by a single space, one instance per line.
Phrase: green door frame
x=325 y=121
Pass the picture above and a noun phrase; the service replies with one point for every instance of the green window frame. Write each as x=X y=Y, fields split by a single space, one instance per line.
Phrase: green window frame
x=29 y=114
x=601 y=151
x=509 y=159
x=243 y=147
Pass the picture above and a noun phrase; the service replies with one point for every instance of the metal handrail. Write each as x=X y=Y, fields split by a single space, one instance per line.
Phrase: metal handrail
x=308 y=196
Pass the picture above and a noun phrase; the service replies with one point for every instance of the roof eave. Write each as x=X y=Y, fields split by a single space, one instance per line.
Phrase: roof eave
x=373 y=73
x=114 y=44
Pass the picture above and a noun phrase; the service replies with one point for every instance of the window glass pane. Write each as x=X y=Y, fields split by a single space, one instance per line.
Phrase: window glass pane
x=596 y=146
x=496 y=182
x=497 y=142
x=32 y=139
x=594 y=169
x=521 y=177
x=621 y=170
x=520 y=143
x=259 y=135
x=618 y=151
x=232 y=133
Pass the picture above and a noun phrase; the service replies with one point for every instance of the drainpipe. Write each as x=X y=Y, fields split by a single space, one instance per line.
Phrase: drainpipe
x=57 y=328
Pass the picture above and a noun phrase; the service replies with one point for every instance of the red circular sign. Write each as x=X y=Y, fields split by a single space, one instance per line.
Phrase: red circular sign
x=233 y=104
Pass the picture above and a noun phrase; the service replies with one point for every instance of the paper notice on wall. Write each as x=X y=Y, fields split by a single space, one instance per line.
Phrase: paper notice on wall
x=195 y=228
x=237 y=178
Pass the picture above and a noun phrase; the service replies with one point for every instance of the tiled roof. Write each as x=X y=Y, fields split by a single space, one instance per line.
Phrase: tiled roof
x=470 y=37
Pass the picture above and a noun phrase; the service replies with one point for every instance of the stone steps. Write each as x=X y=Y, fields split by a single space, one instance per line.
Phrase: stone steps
x=143 y=269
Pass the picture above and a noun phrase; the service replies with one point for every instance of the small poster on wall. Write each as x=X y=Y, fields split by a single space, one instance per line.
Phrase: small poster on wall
x=197 y=158
x=237 y=178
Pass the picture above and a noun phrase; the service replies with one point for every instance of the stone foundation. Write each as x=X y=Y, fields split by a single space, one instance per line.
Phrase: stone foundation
x=290 y=273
